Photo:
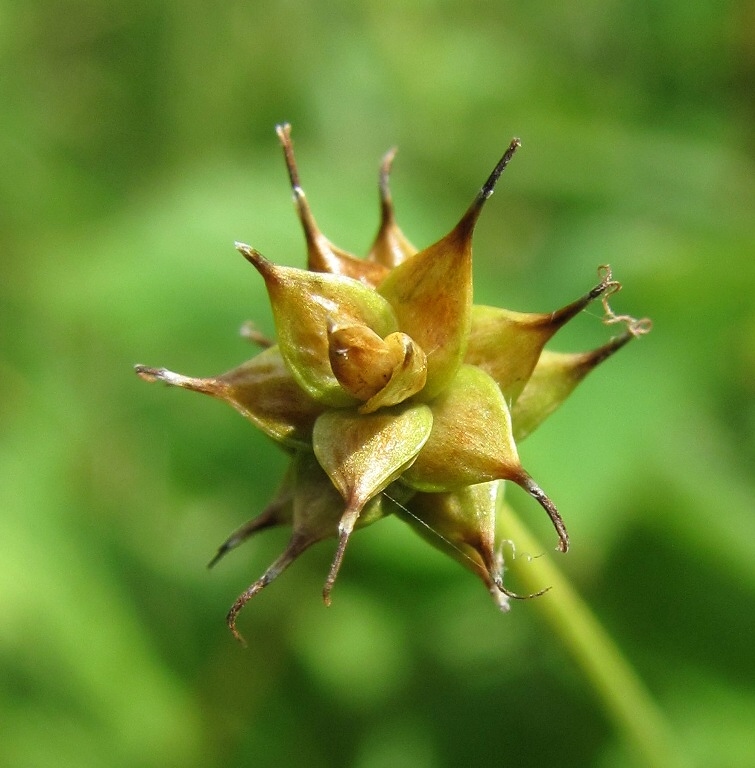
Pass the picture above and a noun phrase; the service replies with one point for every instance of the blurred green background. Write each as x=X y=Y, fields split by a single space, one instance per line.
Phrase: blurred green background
x=137 y=144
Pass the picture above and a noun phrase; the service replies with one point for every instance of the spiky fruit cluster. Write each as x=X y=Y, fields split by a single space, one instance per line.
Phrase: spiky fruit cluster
x=393 y=394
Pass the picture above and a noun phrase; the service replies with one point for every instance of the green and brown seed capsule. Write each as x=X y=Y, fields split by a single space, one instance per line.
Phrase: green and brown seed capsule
x=392 y=393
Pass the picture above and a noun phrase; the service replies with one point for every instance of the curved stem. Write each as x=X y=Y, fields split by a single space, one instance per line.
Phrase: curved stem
x=623 y=694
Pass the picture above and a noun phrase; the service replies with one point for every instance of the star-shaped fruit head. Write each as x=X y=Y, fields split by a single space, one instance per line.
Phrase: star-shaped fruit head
x=392 y=393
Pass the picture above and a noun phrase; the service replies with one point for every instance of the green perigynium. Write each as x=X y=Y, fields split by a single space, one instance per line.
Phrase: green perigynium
x=393 y=394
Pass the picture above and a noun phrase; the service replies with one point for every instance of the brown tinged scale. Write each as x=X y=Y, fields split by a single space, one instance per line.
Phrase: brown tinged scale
x=393 y=394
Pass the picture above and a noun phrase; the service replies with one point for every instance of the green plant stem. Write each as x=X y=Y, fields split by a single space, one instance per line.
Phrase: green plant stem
x=623 y=694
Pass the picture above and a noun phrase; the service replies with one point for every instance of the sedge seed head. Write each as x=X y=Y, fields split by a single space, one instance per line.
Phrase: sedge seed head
x=392 y=393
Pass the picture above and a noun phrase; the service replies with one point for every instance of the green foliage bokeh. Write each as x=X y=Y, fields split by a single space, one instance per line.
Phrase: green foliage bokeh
x=137 y=143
